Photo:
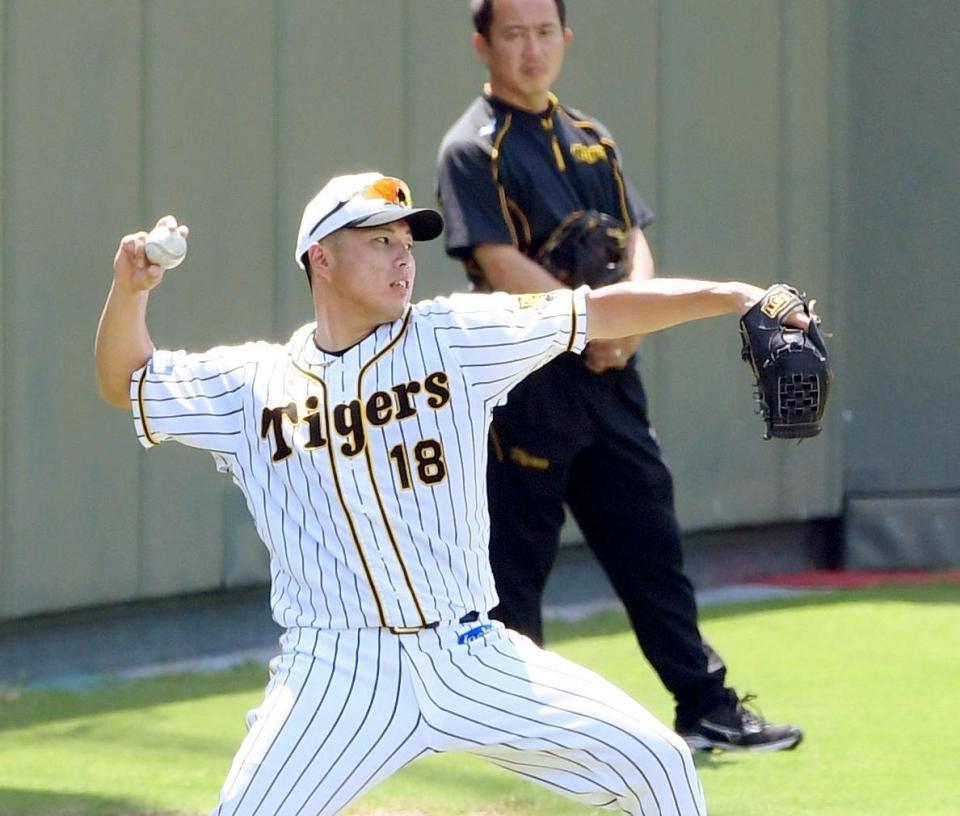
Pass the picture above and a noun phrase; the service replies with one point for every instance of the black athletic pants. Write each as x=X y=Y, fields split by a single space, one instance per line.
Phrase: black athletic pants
x=569 y=435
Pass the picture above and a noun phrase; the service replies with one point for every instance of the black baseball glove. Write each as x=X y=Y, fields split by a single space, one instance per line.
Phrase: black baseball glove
x=587 y=247
x=791 y=366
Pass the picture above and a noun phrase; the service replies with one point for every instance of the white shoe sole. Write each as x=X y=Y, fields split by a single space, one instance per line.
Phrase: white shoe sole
x=698 y=743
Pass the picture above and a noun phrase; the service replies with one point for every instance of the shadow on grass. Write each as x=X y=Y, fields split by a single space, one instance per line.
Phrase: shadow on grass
x=716 y=761
x=616 y=622
x=25 y=708
x=472 y=777
x=17 y=802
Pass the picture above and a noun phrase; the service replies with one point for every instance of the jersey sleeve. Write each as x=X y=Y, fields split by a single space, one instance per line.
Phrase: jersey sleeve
x=470 y=199
x=640 y=213
x=196 y=399
x=498 y=339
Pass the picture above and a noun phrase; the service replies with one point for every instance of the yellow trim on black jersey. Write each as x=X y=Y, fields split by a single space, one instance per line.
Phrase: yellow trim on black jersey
x=497 y=447
x=495 y=169
x=522 y=218
x=611 y=147
x=558 y=155
x=343 y=502
x=373 y=478
x=618 y=178
x=143 y=414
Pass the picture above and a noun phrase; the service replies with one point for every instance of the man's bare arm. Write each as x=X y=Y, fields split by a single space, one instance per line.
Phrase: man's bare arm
x=641 y=307
x=639 y=256
x=123 y=342
x=506 y=269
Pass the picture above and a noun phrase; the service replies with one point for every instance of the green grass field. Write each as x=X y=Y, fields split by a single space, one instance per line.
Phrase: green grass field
x=873 y=676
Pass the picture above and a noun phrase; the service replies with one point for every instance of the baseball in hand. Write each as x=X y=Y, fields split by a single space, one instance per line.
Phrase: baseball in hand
x=165 y=247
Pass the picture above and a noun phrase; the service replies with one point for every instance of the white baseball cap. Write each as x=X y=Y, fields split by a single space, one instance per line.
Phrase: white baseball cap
x=363 y=200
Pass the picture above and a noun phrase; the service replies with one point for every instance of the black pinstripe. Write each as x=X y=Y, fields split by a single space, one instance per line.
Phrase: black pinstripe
x=367 y=702
x=288 y=755
x=678 y=749
x=521 y=666
x=413 y=337
x=533 y=704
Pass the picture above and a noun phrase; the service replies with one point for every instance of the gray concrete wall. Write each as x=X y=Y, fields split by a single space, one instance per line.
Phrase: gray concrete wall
x=742 y=122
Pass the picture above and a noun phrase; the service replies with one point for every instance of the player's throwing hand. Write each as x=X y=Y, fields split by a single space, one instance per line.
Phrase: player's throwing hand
x=132 y=270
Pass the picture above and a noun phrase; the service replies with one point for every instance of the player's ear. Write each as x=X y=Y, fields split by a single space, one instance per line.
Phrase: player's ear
x=320 y=258
x=567 y=36
x=481 y=46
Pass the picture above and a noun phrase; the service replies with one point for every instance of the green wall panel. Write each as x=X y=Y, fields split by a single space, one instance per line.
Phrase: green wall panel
x=903 y=245
x=208 y=158
x=720 y=162
x=809 y=473
x=6 y=548
x=71 y=181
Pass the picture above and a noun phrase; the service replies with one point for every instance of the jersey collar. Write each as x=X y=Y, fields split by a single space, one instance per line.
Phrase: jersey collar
x=305 y=353
x=552 y=104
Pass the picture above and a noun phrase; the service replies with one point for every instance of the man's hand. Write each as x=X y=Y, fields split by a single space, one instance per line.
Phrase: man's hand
x=603 y=355
x=123 y=341
x=132 y=272
x=750 y=295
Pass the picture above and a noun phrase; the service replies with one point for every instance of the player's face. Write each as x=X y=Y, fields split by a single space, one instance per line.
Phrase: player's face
x=373 y=272
x=525 y=51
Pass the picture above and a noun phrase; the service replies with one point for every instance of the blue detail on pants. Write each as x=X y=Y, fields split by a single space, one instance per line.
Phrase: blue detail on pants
x=476 y=632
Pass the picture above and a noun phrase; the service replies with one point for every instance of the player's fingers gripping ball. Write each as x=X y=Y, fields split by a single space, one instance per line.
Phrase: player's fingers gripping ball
x=166 y=244
x=791 y=365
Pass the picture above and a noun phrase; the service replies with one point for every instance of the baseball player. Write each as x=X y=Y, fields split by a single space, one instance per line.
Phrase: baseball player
x=360 y=446
x=512 y=171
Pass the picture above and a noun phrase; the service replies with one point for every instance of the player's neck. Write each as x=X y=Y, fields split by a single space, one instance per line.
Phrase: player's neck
x=530 y=102
x=336 y=337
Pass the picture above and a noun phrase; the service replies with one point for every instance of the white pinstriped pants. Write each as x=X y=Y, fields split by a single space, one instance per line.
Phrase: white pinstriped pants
x=345 y=709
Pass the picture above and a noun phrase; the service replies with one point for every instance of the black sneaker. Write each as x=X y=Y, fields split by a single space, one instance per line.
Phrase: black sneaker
x=734 y=727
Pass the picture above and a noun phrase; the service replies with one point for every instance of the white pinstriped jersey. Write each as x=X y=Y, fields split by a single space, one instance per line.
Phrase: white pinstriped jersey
x=361 y=469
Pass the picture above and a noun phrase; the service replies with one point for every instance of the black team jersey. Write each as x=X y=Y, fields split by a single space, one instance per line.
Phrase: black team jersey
x=507 y=176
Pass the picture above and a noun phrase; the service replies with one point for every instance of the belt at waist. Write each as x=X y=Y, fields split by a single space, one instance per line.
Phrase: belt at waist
x=470 y=617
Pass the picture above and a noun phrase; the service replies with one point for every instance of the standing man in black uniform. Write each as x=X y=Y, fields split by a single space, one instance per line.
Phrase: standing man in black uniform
x=576 y=431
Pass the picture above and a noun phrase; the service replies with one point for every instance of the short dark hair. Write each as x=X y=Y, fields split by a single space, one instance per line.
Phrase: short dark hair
x=482 y=11
x=306 y=268
x=305 y=258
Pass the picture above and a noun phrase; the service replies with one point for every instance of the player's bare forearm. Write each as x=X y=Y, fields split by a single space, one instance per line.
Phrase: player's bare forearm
x=640 y=307
x=123 y=344
x=639 y=255
x=123 y=341
x=506 y=269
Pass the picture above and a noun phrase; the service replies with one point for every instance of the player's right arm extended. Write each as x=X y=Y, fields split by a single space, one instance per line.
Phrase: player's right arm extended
x=123 y=341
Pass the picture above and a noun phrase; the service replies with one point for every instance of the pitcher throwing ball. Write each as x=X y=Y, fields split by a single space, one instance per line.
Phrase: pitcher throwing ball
x=360 y=446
